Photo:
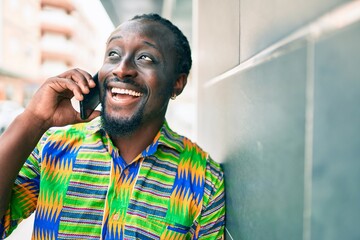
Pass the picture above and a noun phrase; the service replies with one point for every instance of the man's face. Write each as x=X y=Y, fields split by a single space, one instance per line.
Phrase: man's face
x=137 y=77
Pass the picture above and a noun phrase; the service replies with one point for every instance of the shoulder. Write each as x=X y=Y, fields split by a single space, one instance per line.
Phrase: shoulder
x=212 y=170
x=70 y=133
x=190 y=157
x=191 y=152
x=196 y=153
x=200 y=163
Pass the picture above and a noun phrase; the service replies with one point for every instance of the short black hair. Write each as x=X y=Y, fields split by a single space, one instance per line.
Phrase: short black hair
x=182 y=46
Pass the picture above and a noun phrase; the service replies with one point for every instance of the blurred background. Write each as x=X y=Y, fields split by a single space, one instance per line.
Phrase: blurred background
x=273 y=95
x=42 y=38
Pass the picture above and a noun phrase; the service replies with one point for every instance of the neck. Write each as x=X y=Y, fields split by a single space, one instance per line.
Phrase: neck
x=132 y=145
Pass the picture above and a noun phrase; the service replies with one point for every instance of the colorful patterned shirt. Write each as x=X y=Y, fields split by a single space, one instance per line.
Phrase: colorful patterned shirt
x=81 y=188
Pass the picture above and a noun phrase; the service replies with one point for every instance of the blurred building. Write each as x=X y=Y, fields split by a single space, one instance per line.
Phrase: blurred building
x=42 y=38
x=19 y=47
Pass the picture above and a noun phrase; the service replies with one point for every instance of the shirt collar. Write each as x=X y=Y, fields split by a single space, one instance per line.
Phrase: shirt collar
x=165 y=137
x=93 y=126
x=171 y=139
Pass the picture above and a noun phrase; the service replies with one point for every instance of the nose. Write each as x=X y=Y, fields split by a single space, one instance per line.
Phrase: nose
x=125 y=69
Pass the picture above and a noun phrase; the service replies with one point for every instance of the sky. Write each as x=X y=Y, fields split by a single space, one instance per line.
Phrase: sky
x=96 y=12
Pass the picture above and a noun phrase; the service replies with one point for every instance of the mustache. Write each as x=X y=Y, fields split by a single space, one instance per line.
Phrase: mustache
x=129 y=81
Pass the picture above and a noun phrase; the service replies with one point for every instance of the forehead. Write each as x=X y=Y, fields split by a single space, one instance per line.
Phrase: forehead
x=145 y=29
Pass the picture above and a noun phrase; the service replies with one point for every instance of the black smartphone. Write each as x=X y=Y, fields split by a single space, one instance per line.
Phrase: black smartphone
x=91 y=100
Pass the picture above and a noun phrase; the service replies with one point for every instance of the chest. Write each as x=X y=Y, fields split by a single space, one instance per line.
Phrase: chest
x=88 y=193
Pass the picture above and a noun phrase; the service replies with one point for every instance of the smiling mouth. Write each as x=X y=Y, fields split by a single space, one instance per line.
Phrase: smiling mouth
x=119 y=93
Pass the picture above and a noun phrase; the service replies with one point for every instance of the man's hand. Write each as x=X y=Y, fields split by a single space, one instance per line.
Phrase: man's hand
x=51 y=104
x=49 y=107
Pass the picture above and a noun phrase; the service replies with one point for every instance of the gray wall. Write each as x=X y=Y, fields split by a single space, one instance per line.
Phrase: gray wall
x=278 y=106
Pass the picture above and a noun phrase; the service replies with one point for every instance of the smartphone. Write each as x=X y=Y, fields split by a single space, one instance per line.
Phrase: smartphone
x=91 y=100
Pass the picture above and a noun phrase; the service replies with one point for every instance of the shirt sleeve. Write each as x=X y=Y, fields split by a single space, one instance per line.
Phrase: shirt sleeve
x=24 y=195
x=211 y=224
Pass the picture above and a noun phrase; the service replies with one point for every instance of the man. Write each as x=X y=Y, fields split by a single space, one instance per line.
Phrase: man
x=125 y=175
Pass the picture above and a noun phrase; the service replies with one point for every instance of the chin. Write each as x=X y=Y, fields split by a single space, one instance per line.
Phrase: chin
x=118 y=126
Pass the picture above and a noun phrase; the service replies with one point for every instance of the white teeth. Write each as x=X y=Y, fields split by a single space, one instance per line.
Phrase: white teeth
x=125 y=91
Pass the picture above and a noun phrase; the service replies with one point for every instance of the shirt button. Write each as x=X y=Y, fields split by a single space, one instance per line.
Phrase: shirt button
x=126 y=171
x=116 y=216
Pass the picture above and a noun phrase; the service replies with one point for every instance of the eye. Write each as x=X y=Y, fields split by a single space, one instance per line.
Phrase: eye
x=113 y=54
x=145 y=58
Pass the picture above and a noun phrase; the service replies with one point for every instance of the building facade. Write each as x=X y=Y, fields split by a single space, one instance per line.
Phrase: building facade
x=42 y=38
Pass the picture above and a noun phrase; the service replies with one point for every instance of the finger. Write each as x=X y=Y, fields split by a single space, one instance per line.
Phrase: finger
x=87 y=76
x=62 y=86
x=80 y=77
x=91 y=81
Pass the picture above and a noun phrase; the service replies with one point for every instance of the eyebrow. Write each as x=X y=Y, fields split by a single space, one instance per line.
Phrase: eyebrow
x=151 y=45
x=145 y=42
x=113 y=38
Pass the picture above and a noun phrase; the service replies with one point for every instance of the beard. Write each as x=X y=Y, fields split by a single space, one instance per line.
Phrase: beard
x=118 y=126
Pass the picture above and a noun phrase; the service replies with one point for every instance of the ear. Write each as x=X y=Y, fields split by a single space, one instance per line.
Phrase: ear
x=179 y=84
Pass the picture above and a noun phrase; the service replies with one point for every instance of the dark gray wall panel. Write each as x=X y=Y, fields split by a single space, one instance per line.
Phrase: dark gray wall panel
x=254 y=123
x=263 y=23
x=336 y=170
x=290 y=157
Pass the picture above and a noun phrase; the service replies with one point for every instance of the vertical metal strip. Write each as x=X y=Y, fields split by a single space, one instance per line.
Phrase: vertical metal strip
x=228 y=234
x=309 y=133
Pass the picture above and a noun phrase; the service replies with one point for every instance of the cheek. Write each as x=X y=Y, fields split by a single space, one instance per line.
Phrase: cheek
x=105 y=70
x=165 y=82
x=163 y=89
